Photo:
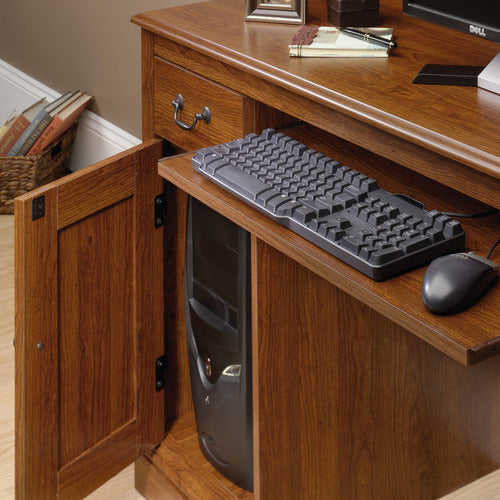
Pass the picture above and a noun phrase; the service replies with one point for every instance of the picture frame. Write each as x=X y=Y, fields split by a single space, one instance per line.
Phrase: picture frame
x=276 y=11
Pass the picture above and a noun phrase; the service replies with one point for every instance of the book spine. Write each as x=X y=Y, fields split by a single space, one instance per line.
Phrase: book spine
x=15 y=150
x=3 y=130
x=57 y=127
x=13 y=134
x=35 y=135
x=47 y=136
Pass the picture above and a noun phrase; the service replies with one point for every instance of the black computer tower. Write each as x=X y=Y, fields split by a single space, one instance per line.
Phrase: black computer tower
x=218 y=326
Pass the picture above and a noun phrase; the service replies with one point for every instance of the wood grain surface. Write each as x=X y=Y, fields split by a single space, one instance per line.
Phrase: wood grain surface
x=99 y=395
x=36 y=302
x=89 y=326
x=147 y=95
x=459 y=123
x=353 y=406
x=231 y=113
x=121 y=487
x=420 y=140
x=179 y=462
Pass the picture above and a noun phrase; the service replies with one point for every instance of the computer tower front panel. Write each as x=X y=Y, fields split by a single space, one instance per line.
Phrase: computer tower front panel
x=218 y=326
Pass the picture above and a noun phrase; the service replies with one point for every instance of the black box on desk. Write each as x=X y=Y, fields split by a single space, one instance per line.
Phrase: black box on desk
x=344 y=13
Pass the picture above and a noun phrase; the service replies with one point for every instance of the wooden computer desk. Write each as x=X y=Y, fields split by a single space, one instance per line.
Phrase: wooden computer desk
x=358 y=390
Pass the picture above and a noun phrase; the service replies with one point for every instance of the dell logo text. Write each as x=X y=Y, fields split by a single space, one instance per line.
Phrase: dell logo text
x=477 y=30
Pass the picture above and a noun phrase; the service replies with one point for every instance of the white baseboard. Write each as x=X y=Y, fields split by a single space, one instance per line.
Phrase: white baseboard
x=96 y=138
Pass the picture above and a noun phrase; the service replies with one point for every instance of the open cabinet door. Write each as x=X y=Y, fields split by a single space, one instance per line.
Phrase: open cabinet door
x=89 y=325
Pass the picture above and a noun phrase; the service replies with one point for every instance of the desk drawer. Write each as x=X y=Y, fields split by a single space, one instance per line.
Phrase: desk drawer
x=231 y=114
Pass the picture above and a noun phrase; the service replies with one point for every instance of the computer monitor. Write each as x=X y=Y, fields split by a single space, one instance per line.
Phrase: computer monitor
x=480 y=18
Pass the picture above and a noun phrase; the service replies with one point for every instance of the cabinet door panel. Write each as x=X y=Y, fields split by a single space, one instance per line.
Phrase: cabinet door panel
x=96 y=358
x=89 y=326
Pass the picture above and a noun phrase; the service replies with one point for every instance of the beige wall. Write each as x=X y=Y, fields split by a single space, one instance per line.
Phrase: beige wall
x=81 y=44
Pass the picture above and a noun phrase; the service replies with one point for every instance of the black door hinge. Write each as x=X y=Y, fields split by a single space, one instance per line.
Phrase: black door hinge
x=161 y=370
x=38 y=207
x=160 y=207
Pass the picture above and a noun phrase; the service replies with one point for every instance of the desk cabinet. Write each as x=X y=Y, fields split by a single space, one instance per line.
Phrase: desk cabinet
x=358 y=391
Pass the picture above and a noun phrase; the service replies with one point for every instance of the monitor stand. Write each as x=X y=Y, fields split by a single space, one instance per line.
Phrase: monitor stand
x=489 y=78
x=446 y=74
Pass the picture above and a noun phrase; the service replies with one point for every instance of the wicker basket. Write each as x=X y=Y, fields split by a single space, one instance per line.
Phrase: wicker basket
x=20 y=174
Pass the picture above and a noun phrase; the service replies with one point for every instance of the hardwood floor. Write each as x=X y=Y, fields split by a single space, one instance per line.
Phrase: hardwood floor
x=121 y=487
x=6 y=356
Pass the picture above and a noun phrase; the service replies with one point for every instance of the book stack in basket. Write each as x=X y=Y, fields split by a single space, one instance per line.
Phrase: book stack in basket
x=36 y=144
x=20 y=174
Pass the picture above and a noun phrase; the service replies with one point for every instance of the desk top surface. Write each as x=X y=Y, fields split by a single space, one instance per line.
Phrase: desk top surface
x=461 y=123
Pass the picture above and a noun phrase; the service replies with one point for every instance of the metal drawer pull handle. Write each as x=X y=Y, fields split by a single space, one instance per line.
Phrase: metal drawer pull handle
x=178 y=104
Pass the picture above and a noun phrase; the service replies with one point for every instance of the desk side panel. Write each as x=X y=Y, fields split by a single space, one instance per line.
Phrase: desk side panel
x=353 y=406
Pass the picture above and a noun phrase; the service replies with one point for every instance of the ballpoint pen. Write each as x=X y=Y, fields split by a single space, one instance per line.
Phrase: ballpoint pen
x=368 y=37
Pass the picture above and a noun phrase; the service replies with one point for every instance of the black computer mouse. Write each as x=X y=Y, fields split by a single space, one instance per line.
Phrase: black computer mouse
x=454 y=282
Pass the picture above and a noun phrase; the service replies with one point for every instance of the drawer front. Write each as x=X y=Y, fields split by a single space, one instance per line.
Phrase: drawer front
x=231 y=114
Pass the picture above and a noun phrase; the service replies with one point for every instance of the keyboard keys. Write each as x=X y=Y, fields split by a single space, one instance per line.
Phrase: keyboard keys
x=319 y=208
x=303 y=214
x=241 y=182
x=353 y=244
x=340 y=222
x=274 y=203
x=330 y=222
x=413 y=222
x=330 y=166
x=414 y=244
x=452 y=228
x=369 y=185
x=391 y=212
x=377 y=218
x=340 y=209
x=356 y=208
x=335 y=234
x=431 y=216
x=287 y=208
x=366 y=213
x=215 y=164
x=264 y=196
x=435 y=234
x=344 y=199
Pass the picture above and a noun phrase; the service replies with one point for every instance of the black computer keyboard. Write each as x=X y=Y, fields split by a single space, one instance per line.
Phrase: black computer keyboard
x=339 y=209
